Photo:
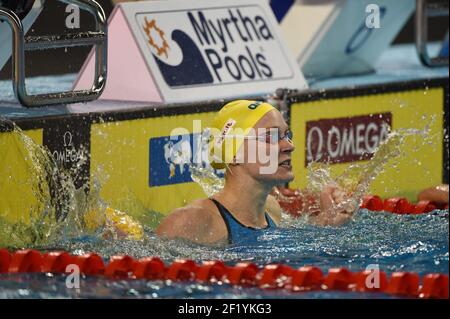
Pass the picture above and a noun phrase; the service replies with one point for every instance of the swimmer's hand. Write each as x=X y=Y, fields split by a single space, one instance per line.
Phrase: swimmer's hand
x=336 y=207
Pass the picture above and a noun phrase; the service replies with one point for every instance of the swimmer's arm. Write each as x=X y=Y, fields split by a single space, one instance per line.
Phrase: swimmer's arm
x=273 y=208
x=437 y=194
x=188 y=223
x=327 y=219
x=328 y=215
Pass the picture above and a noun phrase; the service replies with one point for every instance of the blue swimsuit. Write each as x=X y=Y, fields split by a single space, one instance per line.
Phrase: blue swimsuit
x=238 y=233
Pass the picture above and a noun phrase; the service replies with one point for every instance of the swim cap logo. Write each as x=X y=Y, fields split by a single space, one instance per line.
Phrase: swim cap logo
x=226 y=129
x=254 y=105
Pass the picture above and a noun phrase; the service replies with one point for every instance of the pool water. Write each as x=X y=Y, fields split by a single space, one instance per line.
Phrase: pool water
x=416 y=243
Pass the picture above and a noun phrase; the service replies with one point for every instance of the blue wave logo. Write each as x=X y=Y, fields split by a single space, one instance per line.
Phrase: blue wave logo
x=193 y=68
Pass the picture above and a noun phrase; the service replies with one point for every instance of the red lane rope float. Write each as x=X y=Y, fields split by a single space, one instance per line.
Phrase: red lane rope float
x=278 y=276
x=399 y=205
x=373 y=203
x=293 y=202
x=26 y=261
x=56 y=262
x=181 y=270
x=307 y=278
x=120 y=267
x=151 y=268
x=243 y=274
x=434 y=286
x=403 y=283
x=275 y=276
x=90 y=264
x=340 y=279
x=5 y=260
x=212 y=271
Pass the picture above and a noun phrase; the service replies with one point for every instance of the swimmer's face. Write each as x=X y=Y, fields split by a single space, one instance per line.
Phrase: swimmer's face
x=266 y=153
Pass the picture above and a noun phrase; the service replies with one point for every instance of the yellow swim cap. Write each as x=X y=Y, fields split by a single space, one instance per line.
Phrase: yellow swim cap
x=230 y=126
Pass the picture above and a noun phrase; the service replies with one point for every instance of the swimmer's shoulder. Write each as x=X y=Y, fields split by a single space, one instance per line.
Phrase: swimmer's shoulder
x=197 y=222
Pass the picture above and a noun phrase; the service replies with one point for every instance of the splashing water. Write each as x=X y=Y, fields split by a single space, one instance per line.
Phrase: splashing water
x=47 y=182
x=355 y=180
x=207 y=179
x=60 y=210
x=59 y=216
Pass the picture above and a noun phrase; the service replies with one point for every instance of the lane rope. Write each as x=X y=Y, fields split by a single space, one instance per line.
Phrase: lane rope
x=292 y=202
x=272 y=276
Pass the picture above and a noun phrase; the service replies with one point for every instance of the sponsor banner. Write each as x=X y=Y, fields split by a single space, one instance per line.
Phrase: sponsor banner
x=347 y=139
x=136 y=169
x=195 y=51
x=445 y=155
x=16 y=194
x=281 y=7
x=197 y=44
x=137 y=162
x=171 y=157
x=68 y=141
x=347 y=130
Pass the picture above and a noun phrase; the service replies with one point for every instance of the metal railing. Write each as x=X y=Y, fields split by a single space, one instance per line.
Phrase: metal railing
x=22 y=43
